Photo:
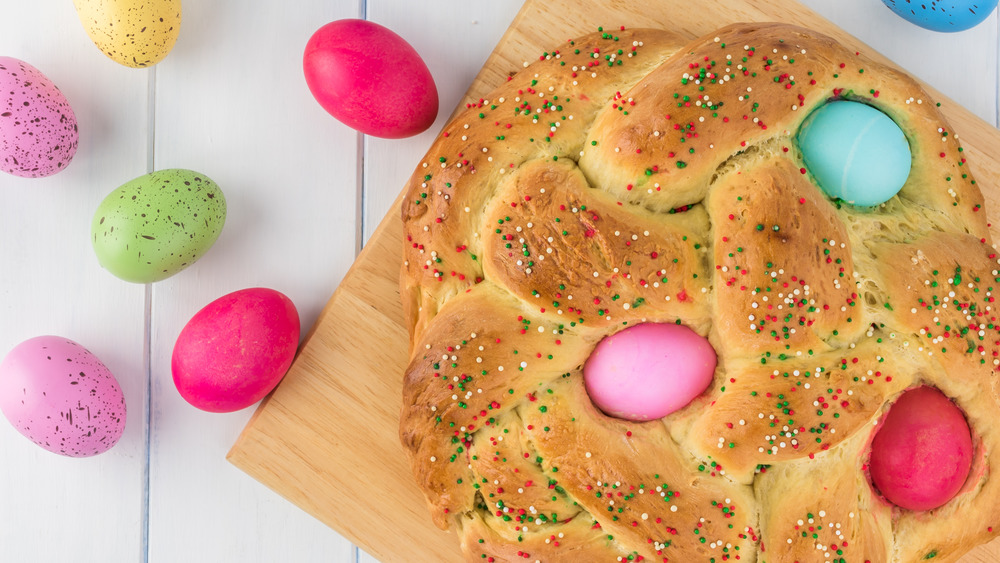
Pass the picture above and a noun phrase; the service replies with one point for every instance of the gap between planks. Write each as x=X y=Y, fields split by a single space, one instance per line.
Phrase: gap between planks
x=147 y=336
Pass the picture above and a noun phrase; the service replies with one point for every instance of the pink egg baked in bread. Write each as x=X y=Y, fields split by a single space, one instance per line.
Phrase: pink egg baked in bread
x=649 y=371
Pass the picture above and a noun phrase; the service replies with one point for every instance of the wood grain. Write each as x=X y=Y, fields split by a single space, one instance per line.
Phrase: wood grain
x=326 y=439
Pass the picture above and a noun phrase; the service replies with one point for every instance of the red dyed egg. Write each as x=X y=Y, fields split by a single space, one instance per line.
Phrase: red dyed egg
x=922 y=452
x=370 y=79
x=236 y=349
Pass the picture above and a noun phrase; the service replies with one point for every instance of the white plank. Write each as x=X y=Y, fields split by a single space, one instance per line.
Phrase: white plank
x=962 y=65
x=231 y=102
x=454 y=38
x=54 y=508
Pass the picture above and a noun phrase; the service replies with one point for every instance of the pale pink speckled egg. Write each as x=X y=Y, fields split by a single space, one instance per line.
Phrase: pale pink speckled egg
x=38 y=131
x=236 y=349
x=60 y=396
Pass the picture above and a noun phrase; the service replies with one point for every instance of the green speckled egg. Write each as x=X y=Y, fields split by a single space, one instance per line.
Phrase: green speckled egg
x=158 y=224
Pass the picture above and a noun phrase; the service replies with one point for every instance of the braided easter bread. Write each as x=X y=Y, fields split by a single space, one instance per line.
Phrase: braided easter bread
x=634 y=179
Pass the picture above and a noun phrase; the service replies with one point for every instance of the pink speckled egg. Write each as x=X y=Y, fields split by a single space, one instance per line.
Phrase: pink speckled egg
x=370 y=78
x=921 y=454
x=61 y=397
x=649 y=370
x=235 y=350
x=38 y=132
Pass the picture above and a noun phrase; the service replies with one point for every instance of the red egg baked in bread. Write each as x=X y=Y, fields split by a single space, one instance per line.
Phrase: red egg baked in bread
x=632 y=178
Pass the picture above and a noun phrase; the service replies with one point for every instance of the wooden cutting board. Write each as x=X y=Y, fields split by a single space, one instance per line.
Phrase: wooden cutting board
x=327 y=439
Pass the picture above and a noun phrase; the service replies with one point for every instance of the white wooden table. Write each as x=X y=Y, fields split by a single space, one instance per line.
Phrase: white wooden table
x=304 y=193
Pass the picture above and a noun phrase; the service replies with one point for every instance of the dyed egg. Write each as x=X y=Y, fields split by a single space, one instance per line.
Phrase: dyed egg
x=61 y=397
x=134 y=33
x=648 y=371
x=955 y=15
x=158 y=224
x=855 y=152
x=235 y=350
x=38 y=133
x=370 y=79
x=922 y=452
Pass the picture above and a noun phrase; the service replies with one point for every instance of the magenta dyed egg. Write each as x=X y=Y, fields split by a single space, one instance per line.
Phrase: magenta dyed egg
x=921 y=454
x=38 y=130
x=370 y=78
x=61 y=397
x=236 y=349
x=649 y=370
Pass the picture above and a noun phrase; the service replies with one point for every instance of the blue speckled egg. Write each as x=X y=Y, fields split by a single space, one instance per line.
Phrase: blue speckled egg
x=158 y=224
x=946 y=15
x=855 y=152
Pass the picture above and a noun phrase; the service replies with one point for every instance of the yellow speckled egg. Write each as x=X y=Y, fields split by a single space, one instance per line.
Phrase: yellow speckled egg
x=135 y=33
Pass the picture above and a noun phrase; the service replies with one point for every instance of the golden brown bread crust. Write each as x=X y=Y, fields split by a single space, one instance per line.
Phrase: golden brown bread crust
x=633 y=177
